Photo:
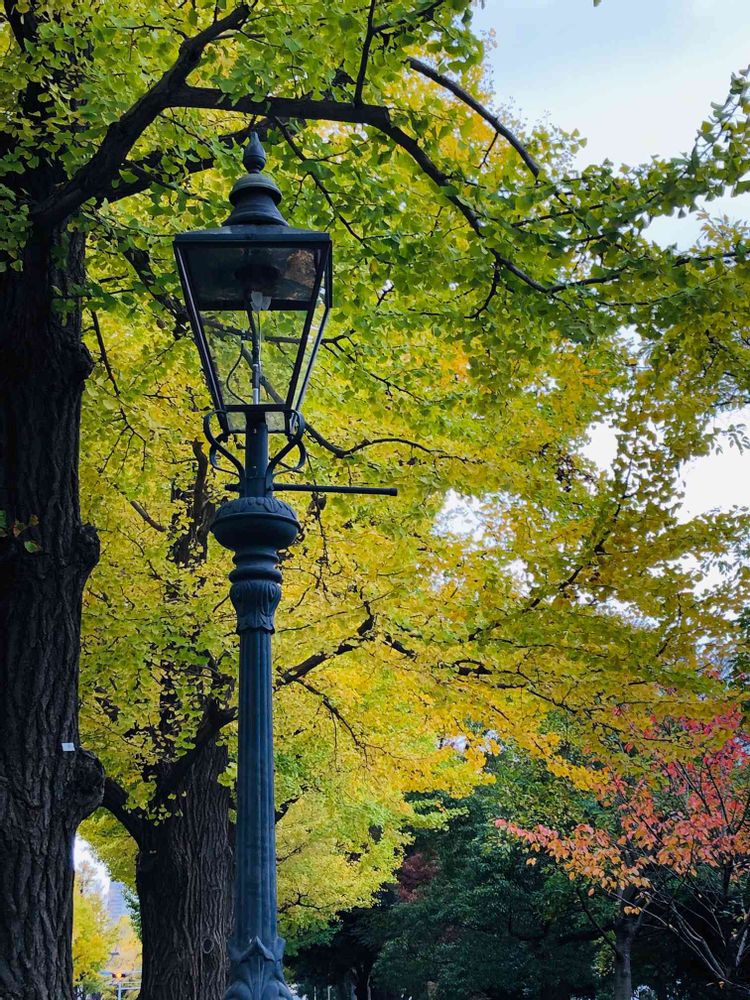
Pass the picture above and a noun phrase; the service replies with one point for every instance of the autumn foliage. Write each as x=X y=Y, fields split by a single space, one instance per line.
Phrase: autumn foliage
x=671 y=845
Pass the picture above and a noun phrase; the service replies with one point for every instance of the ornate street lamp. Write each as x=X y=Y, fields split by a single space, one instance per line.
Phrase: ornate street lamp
x=258 y=294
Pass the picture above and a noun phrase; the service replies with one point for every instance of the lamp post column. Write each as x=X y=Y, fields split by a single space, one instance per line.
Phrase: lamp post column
x=256 y=527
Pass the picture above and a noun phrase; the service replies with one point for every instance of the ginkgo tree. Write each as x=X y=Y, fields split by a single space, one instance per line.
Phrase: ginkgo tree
x=108 y=103
x=386 y=642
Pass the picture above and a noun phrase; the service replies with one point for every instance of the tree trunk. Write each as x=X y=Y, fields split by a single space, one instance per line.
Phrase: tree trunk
x=184 y=878
x=623 y=983
x=361 y=974
x=47 y=783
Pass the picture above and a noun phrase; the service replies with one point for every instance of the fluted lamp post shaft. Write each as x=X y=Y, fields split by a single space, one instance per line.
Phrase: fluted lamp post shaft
x=256 y=527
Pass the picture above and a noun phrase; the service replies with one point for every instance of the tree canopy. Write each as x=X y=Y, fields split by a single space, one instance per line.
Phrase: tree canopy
x=493 y=302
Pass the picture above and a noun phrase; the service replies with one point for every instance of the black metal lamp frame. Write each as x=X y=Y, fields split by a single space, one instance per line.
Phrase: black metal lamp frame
x=256 y=526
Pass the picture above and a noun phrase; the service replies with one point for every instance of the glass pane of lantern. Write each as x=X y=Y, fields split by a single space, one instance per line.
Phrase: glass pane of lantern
x=310 y=349
x=236 y=344
x=223 y=276
x=280 y=334
x=230 y=344
x=230 y=347
x=260 y=310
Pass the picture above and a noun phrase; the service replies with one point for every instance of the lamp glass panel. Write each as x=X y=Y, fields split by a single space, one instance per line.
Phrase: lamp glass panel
x=310 y=348
x=258 y=308
x=281 y=337
x=253 y=353
x=223 y=276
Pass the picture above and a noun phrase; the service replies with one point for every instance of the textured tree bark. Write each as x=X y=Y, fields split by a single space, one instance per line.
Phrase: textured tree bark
x=184 y=878
x=47 y=783
x=623 y=982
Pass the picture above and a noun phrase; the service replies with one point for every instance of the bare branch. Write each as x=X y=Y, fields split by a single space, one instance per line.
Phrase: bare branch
x=475 y=105
x=103 y=352
x=139 y=509
x=334 y=712
x=372 y=442
x=140 y=261
x=363 y=633
x=369 y=35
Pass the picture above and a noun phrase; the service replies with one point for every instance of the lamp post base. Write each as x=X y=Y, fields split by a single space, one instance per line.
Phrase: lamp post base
x=258 y=972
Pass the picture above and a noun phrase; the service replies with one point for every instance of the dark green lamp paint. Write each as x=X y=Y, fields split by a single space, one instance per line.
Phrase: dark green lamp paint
x=234 y=278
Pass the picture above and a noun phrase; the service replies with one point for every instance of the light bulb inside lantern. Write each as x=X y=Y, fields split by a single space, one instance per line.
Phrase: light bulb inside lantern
x=259 y=301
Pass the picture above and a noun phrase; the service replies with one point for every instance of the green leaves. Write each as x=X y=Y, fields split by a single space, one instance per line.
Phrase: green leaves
x=18 y=528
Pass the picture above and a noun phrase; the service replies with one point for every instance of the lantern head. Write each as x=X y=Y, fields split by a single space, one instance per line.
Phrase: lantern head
x=258 y=293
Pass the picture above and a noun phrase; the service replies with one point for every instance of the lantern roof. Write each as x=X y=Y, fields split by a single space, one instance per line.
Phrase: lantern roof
x=255 y=197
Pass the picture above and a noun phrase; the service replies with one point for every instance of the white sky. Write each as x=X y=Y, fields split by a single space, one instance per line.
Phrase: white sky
x=84 y=853
x=636 y=78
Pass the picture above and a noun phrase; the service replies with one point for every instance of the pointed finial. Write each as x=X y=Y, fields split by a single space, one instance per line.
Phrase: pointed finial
x=255 y=197
x=254 y=156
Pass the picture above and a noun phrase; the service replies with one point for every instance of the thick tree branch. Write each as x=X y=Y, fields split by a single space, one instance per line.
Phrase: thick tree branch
x=214 y=719
x=147 y=168
x=115 y=798
x=95 y=176
x=306 y=108
x=475 y=105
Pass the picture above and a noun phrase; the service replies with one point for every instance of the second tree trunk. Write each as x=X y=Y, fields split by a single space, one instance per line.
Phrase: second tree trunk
x=184 y=878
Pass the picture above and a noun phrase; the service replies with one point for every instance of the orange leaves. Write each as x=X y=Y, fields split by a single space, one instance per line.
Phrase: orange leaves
x=677 y=817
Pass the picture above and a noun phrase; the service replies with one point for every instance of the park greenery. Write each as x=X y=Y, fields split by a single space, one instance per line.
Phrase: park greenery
x=510 y=704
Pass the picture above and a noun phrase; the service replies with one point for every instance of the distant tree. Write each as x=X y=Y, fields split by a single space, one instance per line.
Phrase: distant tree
x=473 y=920
x=344 y=959
x=672 y=848
x=93 y=940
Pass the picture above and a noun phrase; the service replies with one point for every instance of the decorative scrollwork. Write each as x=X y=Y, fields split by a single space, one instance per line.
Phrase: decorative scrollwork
x=295 y=430
x=295 y=441
x=217 y=446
